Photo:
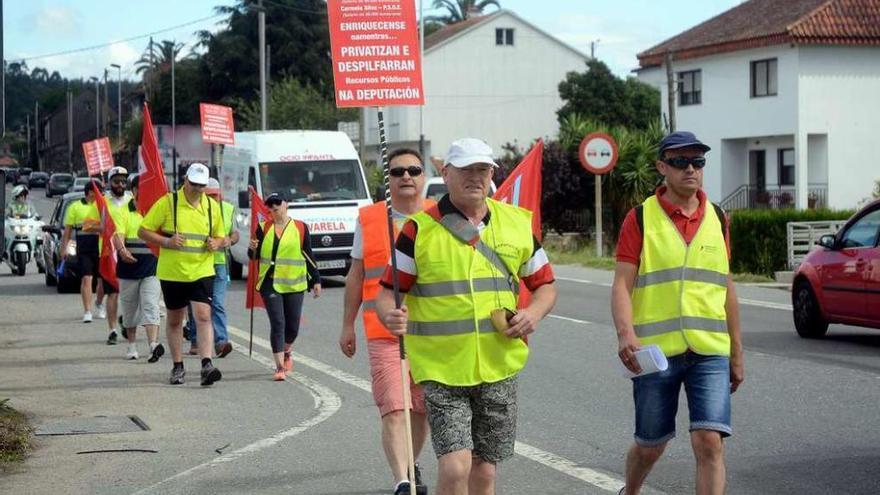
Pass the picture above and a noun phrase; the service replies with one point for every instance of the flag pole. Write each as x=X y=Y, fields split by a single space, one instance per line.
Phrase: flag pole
x=404 y=372
x=253 y=296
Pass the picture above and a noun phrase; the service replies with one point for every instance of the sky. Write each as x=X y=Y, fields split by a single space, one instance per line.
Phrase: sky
x=38 y=27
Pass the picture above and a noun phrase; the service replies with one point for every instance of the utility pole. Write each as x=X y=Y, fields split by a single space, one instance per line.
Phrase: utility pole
x=28 y=127
x=97 y=107
x=118 y=102
x=173 y=117
x=670 y=90
x=2 y=76
x=593 y=48
x=106 y=109
x=70 y=130
x=37 y=134
x=261 y=25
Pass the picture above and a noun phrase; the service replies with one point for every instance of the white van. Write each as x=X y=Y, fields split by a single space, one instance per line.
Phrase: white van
x=321 y=174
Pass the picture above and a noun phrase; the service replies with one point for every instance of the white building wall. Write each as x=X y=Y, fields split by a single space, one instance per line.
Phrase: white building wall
x=474 y=88
x=840 y=94
x=728 y=111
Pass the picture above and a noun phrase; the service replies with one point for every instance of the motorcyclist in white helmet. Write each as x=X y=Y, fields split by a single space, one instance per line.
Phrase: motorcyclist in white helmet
x=19 y=206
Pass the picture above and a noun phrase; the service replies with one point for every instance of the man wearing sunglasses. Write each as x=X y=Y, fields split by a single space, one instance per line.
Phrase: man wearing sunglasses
x=369 y=255
x=117 y=205
x=672 y=288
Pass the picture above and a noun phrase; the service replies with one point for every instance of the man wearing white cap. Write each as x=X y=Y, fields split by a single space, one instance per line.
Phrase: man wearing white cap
x=460 y=264
x=117 y=205
x=187 y=226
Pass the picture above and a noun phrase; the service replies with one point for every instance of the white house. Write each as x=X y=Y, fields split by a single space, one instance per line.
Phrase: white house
x=493 y=77
x=787 y=94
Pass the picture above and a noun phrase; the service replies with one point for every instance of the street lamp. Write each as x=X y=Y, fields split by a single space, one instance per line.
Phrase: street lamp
x=118 y=103
x=97 y=106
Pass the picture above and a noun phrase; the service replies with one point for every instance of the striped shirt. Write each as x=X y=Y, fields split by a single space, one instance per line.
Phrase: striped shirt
x=534 y=272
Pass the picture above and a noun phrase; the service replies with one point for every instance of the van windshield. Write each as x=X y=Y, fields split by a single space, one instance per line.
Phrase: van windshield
x=314 y=180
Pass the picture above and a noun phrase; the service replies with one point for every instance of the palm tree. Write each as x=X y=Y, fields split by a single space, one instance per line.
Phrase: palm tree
x=460 y=10
x=160 y=55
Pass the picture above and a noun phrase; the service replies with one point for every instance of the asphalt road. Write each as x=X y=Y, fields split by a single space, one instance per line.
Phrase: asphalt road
x=805 y=420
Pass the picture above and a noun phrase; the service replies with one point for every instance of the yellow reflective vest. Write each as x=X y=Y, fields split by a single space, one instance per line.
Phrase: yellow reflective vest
x=290 y=264
x=450 y=338
x=226 y=212
x=680 y=293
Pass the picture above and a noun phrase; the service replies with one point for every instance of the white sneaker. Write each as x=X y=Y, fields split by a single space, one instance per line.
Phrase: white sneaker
x=87 y=317
x=100 y=311
x=132 y=352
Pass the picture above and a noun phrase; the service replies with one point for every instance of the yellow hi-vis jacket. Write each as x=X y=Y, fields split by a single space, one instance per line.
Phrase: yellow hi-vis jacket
x=450 y=338
x=681 y=290
x=290 y=264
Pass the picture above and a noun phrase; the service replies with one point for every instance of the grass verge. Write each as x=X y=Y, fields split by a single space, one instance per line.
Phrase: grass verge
x=15 y=436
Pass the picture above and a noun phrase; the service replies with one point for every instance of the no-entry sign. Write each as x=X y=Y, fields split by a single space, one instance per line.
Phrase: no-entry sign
x=375 y=51
x=598 y=153
x=217 y=124
x=99 y=157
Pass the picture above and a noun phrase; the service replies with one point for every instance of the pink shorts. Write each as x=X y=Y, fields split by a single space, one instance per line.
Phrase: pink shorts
x=385 y=371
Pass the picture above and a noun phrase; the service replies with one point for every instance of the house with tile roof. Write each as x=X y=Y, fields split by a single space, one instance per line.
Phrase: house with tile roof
x=494 y=77
x=787 y=94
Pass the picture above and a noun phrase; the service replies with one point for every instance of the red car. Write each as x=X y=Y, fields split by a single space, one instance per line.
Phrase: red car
x=840 y=281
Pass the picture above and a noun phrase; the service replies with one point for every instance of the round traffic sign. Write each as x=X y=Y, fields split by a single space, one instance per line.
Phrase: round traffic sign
x=598 y=153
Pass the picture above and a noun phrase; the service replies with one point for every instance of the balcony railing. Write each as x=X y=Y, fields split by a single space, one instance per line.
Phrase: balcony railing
x=748 y=196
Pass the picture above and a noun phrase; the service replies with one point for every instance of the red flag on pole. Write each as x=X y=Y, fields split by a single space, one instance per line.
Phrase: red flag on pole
x=151 y=184
x=259 y=214
x=523 y=188
x=107 y=264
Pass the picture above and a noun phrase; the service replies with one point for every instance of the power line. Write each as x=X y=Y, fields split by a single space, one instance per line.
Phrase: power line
x=111 y=43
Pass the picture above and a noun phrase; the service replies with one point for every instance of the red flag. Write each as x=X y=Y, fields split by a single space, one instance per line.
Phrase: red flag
x=523 y=188
x=151 y=184
x=259 y=214
x=107 y=264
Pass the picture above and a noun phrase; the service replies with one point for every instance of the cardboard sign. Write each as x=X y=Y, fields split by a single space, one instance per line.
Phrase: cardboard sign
x=598 y=153
x=375 y=51
x=217 y=124
x=99 y=157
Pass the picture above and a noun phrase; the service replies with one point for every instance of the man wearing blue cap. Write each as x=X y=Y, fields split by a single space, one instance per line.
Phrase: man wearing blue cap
x=672 y=289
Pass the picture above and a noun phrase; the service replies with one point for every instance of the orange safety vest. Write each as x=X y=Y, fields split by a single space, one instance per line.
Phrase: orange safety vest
x=377 y=252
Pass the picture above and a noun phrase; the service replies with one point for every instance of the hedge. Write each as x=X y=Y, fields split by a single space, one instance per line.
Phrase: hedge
x=758 y=241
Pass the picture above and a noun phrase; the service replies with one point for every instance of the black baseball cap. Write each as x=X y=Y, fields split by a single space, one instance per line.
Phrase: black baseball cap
x=680 y=139
x=274 y=199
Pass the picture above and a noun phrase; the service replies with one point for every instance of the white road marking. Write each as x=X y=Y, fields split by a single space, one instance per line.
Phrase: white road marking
x=573 y=320
x=327 y=402
x=548 y=459
x=746 y=302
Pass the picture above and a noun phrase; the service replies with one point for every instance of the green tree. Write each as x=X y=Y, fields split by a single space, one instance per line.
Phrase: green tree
x=292 y=105
x=460 y=10
x=599 y=95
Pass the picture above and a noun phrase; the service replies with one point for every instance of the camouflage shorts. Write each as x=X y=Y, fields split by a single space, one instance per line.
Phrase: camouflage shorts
x=481 y=418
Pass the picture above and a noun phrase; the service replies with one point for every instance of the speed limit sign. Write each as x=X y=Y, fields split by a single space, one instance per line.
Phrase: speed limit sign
x=598 y=153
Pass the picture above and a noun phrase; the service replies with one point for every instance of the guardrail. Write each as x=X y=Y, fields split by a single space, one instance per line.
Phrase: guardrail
x=802 y=236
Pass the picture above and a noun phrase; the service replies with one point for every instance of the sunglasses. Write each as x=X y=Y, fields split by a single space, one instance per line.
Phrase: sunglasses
x=413 y=170
x=682 y=162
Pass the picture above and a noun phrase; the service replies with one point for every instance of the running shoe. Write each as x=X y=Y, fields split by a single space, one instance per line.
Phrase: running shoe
x=156 y=351
x=100 y=311
x=87 y=317
x=177 y=375
x=223 y=349
x=279 y=375
x=132 y=352
x=402 y=488
x=288 y=362
x=111 y=339
x=210 y=374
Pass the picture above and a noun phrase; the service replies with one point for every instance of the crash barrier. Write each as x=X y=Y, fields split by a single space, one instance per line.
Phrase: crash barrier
x=802 y=237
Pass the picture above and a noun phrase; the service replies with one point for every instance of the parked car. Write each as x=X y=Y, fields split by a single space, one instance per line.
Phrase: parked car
x=23 y=174
x=38 y=179
x=12 y=175
x=79 y=184
x=60 y=183
x=839 y=281
x=68 y=279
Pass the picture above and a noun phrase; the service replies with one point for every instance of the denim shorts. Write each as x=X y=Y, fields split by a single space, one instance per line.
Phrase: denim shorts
x=706 y=382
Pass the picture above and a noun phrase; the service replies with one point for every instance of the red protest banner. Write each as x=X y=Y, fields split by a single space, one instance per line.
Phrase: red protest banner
x=217 y=125
x=99 y=157
x=375 y=50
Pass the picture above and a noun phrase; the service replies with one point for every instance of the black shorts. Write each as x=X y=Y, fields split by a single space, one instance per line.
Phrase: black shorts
x=178 y=295
x=88 y=264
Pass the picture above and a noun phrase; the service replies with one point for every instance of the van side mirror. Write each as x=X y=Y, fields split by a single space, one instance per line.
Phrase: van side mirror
x=827 y=241
x=244 y=199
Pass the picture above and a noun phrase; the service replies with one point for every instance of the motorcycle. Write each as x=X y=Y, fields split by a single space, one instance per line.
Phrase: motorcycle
x=21 y=236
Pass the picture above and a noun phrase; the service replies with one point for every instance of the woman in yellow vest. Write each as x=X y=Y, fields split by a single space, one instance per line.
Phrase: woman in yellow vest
x=287 y=270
